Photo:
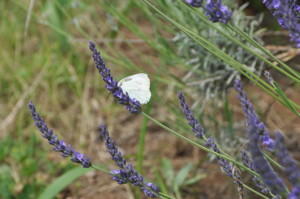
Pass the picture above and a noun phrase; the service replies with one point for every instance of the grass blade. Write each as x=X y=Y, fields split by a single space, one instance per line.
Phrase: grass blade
x=62 y=182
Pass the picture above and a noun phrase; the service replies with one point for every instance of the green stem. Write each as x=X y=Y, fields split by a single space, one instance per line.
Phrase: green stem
x=210 y=151
x=165 y=196
x=199 y=145
x=141 y=144
x=259 y=46
x=100 y=168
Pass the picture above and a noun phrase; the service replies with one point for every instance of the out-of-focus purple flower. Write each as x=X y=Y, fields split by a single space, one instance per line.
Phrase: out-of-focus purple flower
x=59 y=145
x=252 y=118
x=214 y=9
x=210 y=143
x=132 y=105
x=291 y=168
x=295 y=193
x=196 y=126
x=225 y=165
x=287 y=13
x=261 y=165
x=126 y=173
x=194 y=3
x=257 y=181
x=217 y=12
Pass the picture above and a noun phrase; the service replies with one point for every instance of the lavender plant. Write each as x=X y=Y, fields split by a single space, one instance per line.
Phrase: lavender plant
x=126 y=173
x=291 y=168
x=246 y=159
x=211 y=77
x=287 y=13
x=261 y=165
x=214 y=9
x=65 y=149
x=132 y=105
x=258 y=134
x=253 y=120
x=209 y=142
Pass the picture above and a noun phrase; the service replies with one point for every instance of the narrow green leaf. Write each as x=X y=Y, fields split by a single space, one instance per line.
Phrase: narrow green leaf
x=182 y=175
x=194 y=179
x=62 y=182
x=168 y=170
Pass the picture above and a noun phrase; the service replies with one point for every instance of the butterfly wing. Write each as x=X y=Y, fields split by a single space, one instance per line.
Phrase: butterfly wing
x=137 y=86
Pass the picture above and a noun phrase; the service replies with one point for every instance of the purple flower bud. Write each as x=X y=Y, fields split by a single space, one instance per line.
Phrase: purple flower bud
x=217 y=12
x=252 y=118
x=132 y=105
x=194 y=3
x=126 y=173
x=59 y=145
x=210 y=143
x=196 y=126
x=295 y=193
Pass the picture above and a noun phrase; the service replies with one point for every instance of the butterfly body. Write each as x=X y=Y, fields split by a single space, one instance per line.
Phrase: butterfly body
x=137 y=86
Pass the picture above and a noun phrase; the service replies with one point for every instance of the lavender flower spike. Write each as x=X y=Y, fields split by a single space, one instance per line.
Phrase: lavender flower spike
x=252 y=118
x=199 y=133
x=291 y=168
x=216 y=11
x=295 y=193
x=197 y=128
x=255 y=179
x=59 y=145
x=126 y=173
x=261 y=165
x=287 y=13
x=132 y=105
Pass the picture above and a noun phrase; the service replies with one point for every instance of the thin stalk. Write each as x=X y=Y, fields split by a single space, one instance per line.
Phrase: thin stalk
x=200 y=146
x=100 y=168
x=141 y=143
x=105 y=170
x=259 y=46
x=210 y=151
x=166 y=196
x=273 y=161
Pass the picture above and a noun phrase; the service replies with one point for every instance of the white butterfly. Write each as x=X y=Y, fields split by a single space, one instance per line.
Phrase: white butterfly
x=137 y=86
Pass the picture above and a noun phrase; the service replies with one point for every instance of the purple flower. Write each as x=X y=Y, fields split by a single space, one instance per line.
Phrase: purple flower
x=256 y=180
x=225 y=165
x=287 y=13
x=65 y=149
x=194 y=3
x=252 y=118
x=210 y=143
x=261 y=165
x=132 y=105
x=126 y=173
x=216 y=11
x=196 y=126
x=291 y=168
x=295 y=193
